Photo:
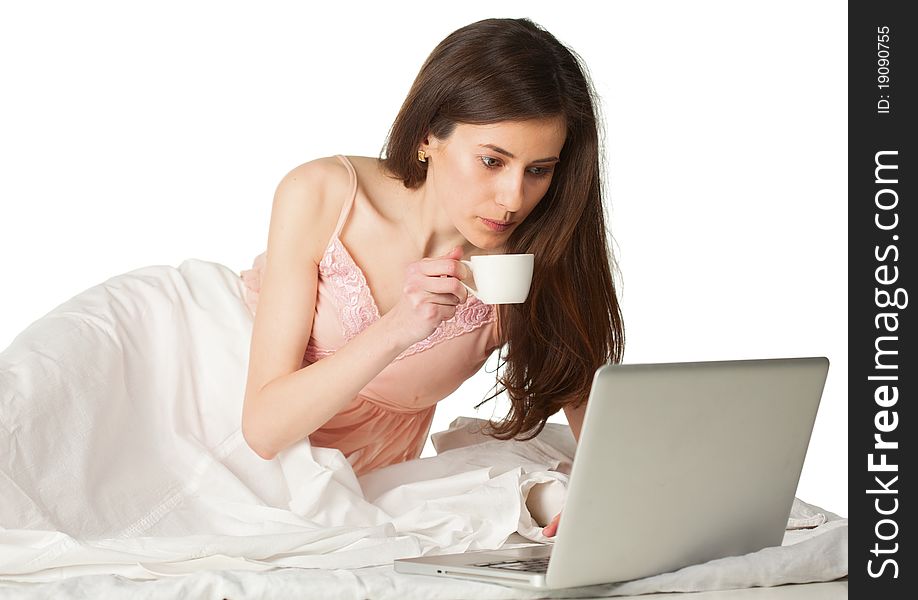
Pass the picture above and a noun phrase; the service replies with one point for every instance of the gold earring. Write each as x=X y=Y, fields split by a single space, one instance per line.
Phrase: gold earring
x=422 y=156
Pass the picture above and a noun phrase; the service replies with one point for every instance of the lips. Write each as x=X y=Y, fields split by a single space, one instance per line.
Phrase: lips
x=498 y=226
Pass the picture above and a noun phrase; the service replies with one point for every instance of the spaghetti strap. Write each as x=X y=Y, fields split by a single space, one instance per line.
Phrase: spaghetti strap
x=349 y=202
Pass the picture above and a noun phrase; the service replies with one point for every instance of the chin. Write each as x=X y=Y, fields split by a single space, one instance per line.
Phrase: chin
x=488 y=245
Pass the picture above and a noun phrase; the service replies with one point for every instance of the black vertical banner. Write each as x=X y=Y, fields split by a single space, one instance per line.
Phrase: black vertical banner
x=883 y=371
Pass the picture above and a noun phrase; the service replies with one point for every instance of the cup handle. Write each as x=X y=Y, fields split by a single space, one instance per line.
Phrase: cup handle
x=468 y=287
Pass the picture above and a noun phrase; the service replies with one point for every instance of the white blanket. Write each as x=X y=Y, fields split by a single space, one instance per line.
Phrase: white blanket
x=122 y=455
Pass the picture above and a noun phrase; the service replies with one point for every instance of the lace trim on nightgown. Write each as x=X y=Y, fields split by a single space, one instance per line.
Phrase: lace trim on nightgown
x=357 y=308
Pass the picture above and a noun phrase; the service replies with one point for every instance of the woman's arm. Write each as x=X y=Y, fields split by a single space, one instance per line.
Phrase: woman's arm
x=575 y=420
x=293 y=406
x=284 y=401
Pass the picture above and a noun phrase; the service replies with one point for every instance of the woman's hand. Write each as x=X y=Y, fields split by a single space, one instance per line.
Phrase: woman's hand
x=551 y=529
x=430 y=295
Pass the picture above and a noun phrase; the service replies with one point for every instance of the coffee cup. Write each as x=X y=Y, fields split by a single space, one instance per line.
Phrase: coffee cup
x=500 y=278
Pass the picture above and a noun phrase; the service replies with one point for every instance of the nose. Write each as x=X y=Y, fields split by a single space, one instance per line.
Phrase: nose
x=511 y=194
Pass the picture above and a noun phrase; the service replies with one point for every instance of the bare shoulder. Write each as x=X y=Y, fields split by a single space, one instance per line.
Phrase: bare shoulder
x=327 y=172
x=309 y=199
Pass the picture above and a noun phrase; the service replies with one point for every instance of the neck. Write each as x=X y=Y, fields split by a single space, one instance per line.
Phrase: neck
x=431 y=230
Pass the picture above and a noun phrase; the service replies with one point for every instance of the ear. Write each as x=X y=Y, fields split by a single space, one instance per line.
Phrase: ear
x=431 y=143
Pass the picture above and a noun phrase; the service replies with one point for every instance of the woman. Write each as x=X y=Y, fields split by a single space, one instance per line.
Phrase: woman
x=361 y=322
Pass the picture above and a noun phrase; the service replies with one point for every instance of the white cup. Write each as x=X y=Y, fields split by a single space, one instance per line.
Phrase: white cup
x=501 y=278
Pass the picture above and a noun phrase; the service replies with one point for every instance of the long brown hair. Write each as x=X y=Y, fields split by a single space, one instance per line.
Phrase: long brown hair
x=571 y=324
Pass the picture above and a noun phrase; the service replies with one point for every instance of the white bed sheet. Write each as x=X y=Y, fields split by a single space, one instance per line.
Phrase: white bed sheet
x=123 y=460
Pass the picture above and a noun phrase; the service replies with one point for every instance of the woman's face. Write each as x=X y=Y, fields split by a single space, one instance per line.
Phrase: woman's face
x=496 y=172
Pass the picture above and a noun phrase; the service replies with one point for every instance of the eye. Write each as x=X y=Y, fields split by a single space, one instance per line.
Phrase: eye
x=492 y=163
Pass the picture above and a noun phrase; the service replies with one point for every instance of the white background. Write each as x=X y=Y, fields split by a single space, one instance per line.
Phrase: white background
x=148 y=134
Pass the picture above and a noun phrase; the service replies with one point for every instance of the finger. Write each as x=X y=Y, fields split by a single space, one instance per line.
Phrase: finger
x=436 y=267
x=454 y=253
x=452 y=286
x=443 y=299
x=442 y=285
x=552 y=528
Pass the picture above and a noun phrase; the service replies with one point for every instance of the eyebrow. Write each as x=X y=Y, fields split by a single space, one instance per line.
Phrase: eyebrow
x=509 y=154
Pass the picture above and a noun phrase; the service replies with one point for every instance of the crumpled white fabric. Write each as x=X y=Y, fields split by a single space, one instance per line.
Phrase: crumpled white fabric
x=119 y=422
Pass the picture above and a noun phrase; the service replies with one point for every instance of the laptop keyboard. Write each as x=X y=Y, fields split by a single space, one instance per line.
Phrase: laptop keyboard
x=537 y=565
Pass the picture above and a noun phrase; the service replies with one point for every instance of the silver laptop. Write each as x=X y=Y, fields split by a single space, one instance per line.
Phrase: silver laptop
x=677 y=464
